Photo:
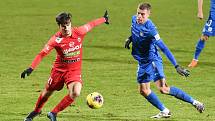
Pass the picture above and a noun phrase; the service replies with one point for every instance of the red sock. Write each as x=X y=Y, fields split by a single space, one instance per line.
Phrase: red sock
x=65 y=102
x=40 y=103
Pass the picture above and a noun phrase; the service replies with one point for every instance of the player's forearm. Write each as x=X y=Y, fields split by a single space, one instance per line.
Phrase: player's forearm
x=38 y=59
x=96 y=22
x=89 y=26
x=166 y=51
x=200 y=5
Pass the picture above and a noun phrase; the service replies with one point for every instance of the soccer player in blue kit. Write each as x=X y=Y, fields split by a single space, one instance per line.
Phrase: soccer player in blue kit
x=208 y=30
x=145 y=40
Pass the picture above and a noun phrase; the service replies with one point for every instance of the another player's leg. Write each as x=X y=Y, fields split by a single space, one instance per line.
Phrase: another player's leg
x=199 y=47
x=39 y=105
x=178 y=93
x=74 y=92
x=154 y=100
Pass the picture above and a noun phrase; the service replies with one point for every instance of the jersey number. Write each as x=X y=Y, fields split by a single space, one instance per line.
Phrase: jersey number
x=209 y=22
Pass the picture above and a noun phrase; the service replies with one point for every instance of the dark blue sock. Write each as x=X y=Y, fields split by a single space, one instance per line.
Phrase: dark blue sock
x=153 y=99
x=181 y=95
x=199 y=46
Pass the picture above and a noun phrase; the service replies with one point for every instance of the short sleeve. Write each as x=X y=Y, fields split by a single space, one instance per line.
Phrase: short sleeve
x=154 y=33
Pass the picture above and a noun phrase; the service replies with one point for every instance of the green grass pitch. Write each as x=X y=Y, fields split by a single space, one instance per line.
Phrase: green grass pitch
x=108 y=68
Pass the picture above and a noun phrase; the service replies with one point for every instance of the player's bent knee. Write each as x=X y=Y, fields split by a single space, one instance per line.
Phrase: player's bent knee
x=145 y=92
x=204 y=38
x=164 y=91
x=46 y=93
x=74 y=95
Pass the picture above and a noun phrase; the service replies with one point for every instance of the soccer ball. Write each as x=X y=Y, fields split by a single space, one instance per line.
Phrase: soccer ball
x=95 y=100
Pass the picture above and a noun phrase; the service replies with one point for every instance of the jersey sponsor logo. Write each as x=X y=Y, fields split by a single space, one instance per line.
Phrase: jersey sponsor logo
x=71 y=54
x=63 y=45
x=71 y=44
x=58 y=39
x=157 y=37
x=77 y=47
x=71 y=61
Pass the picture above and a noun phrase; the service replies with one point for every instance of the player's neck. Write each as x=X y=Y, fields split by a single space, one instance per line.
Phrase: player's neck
x=66 y=35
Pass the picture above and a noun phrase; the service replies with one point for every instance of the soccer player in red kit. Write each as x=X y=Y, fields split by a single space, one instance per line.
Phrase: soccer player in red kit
x=67 y=67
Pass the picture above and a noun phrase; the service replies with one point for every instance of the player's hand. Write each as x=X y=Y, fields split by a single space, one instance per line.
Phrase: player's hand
x=106 y=16
x=200 y=15
x=182 y=71
x=128 y=42
x=27 y=72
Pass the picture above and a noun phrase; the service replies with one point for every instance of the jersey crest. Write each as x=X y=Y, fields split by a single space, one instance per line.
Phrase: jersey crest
x=58 y=39
x=141 y=34
x=79 y=39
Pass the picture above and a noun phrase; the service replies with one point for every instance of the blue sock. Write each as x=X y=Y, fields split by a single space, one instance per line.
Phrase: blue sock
x=199 y=46
x=153 y=99
x=174 y=91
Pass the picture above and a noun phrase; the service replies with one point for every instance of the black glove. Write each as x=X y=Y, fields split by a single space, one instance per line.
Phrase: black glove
x=127 y=42
x=27 y=71
x=182 y=71
x=106 y=16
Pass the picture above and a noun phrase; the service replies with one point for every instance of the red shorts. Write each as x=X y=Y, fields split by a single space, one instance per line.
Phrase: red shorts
x=57 y=79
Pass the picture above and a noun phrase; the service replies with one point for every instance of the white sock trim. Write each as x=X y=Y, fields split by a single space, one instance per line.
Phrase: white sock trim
x=195 y=59
x=195 y=102
x=166 y=110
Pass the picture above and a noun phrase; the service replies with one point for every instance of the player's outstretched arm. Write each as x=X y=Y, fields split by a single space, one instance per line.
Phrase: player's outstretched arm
x=167 y=52
x=90 y=25
x=35 y=62
x=128 y=42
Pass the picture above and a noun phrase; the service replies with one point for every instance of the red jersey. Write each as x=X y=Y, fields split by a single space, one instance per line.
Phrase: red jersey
x=69 y=49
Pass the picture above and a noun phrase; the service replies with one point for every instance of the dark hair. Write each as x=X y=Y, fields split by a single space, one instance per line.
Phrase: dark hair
x=143 y=6
x=63 y=17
